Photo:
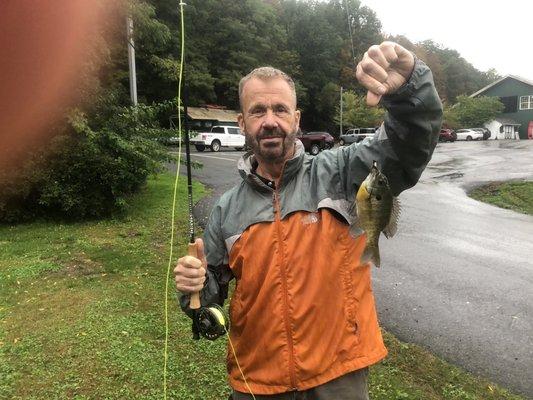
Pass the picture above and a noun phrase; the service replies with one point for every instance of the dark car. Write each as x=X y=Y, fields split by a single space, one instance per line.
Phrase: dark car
x=447 y=135
x=486 y=133
x=315 y=142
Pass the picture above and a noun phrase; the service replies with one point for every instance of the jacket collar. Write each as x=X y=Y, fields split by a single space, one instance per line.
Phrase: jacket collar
x=291 y=168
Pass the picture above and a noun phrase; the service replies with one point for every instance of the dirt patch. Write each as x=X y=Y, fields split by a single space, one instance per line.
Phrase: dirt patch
x=79 y=265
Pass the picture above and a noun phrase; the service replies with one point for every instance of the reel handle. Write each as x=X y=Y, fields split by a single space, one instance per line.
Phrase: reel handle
x=195 y=297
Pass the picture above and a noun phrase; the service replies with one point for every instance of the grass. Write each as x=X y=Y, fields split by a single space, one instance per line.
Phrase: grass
x=517 y=196
x=82 y=317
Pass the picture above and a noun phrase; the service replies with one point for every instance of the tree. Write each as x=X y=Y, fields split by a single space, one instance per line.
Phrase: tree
x=470 y=112
x=356 y=113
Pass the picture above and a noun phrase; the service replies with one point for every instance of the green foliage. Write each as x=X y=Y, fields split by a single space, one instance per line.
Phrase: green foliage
x=471 y=112
x=450 y=118
x=319 y=33
x=356 y=113
x=317 y=43
x=516 y=196
x=90 y=168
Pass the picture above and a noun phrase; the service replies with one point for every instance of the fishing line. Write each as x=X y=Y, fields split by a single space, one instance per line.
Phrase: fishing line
x=215 y=311
x=173 y=217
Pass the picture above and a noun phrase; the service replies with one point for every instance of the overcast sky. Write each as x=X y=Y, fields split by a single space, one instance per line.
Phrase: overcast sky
x=488 y=34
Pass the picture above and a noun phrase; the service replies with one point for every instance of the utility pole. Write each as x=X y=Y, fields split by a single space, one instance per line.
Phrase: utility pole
x=340 y=127
x=131 y=60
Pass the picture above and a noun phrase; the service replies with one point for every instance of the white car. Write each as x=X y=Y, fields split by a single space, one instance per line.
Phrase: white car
x=469 y=134
x=219 y=136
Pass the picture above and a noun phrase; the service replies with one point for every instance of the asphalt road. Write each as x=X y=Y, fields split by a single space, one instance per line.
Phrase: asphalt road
x=458 y=276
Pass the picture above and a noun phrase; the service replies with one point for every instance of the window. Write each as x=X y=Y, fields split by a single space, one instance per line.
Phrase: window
x=510 y=103
x=526 y=102
x=234 y=131
x=217 y=129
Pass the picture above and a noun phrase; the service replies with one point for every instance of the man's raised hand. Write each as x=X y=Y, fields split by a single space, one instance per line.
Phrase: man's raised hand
x=383 y=70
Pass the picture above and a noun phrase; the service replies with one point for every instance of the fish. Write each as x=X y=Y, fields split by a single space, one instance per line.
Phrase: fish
x=374 y=210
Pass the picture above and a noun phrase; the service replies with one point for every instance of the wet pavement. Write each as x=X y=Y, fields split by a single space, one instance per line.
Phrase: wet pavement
x=458 y=276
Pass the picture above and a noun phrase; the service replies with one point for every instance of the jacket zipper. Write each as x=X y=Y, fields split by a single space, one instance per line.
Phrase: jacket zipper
x=292 y=372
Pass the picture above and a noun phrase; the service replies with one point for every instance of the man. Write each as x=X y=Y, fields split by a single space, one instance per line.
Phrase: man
x=303 y=319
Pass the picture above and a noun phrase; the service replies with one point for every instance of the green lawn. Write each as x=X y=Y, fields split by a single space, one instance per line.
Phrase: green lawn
x=517 y=196
x=82 y=317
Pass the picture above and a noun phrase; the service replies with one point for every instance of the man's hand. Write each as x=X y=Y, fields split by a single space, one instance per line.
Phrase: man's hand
x=383 y=70
x=189 y=274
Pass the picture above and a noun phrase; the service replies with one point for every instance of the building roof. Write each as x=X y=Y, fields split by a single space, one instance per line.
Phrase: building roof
x=518 y=78
x=507 y=121
x=204 y=113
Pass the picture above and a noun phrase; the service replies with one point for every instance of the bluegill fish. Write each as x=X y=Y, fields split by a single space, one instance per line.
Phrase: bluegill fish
x=376 y=210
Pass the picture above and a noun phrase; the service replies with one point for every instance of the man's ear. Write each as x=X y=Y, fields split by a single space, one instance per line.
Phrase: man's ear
x=297 y=118
x=240 y=120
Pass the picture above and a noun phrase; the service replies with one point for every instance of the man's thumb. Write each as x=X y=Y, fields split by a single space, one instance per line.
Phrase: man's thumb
x=372 y=99
x=200 y=250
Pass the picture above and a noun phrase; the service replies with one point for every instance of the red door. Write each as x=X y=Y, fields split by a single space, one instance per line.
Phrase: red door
x=530 y=130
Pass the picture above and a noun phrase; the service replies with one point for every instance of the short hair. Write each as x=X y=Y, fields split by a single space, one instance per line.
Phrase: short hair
x=266 y=73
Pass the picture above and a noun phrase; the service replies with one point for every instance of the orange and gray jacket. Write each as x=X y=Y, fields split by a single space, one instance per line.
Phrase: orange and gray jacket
x=303 y=311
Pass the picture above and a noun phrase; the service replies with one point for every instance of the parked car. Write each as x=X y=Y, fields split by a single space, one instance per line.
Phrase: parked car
x=356 y=135
x=447 y=135
x=220 y=135
x=486 y=133
x=315 y=142
x=468 y=134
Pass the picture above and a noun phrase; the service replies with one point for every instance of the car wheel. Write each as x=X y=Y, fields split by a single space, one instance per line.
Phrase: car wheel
x=215 y=145
x=199 y=147
x=315 y=149
x=341 y=142
x=469 y=138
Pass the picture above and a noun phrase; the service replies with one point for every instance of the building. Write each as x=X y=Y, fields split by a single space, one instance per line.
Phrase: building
x=203 y=118
x=516 y=94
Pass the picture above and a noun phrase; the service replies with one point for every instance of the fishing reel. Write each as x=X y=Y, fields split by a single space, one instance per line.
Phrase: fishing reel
x=211 y=322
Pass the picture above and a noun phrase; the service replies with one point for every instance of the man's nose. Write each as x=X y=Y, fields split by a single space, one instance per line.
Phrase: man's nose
x=270 y=121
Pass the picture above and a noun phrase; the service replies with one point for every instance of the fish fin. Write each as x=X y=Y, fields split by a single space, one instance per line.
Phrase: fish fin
x=371 y=254
x=392 y=227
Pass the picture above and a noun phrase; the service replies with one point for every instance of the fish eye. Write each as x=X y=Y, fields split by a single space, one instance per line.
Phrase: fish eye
x=378 y=197
x=380 y=182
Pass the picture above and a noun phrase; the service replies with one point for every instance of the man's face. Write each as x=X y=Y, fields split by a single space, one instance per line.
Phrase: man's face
x=269 y=118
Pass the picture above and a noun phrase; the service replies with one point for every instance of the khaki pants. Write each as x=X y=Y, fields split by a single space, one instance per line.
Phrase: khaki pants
x=352 y=386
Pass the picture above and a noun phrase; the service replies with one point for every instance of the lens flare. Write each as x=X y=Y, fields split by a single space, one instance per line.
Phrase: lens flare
x=44 y=48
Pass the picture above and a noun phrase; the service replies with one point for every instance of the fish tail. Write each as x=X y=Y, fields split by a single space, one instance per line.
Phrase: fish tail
x=371 y=254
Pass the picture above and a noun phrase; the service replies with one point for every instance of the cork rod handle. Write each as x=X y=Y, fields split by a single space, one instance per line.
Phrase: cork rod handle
x=195 y=297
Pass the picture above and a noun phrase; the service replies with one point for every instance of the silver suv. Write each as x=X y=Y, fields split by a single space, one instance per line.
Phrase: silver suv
x=356 y=135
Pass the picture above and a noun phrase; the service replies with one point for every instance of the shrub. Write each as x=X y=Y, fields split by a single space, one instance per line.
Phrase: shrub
x=90 y=168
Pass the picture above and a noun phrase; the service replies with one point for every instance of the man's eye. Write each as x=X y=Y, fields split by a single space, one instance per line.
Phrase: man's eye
x=257 y=111
x=280 y=110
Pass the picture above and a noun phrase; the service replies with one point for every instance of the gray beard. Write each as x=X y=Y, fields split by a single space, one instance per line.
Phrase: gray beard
x=271 y=155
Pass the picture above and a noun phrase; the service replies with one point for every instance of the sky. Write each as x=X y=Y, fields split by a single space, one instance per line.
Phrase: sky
x=488 y=34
